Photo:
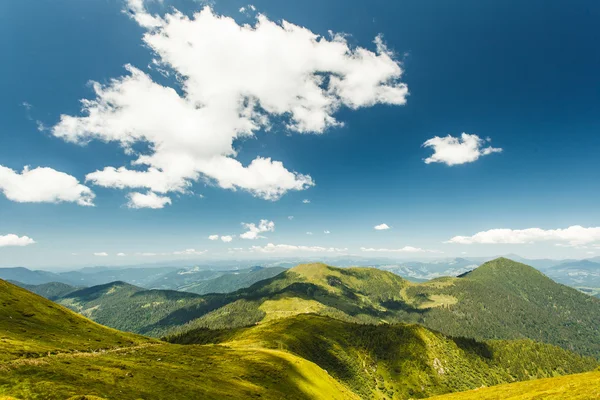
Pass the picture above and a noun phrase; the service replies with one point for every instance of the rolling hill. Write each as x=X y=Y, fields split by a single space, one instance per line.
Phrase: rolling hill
x=51 y=353
x=502 y=299
x=31 y=325
x=398 y=361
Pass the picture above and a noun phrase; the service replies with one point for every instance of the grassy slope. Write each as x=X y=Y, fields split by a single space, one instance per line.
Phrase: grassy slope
x=49 y=352
x=30 y=326
x=398 y=361
x=161 y=371
x=573 y=387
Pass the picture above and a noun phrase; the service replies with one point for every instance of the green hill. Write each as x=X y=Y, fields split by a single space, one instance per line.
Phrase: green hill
x=31 y=326
x=51 y=290
x=398 y=361
x=509 y=300
x=573 y=387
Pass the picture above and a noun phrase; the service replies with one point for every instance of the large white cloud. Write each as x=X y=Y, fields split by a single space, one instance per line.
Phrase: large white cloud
x=288 y=248
x=575 y=235
x=254 y=231
x=235 y=80
x=13 y=240
x=43 y=185
x=454 y=151
x=148 y=200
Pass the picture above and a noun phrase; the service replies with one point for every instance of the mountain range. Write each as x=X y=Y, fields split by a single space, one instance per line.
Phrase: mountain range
x=50 y=352
x=502 y=299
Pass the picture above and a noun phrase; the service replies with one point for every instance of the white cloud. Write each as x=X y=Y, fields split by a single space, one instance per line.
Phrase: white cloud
x=235 y=81
x=286 y=248
x=306 y=201
x=291 y=217
x=254 y=231
x=326 y=232
x=43 y=185
x=213 y=237
x=381 y=227
x=121 y=254
x=242 y=9
x=572 y=236
x=309 y=233
x=454 y=151
x=101 y=254
x=227 y=238
x=148 y=200
x=14 y=240
x=189 y=252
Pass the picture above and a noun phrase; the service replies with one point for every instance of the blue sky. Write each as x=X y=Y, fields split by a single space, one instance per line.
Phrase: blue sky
x=523 y=74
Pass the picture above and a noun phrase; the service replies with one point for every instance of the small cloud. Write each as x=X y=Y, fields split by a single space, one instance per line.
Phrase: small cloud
x=254 y=231
x=326 y=232
x=101 y=254
x=27 y=105
x=213 y=237
x=148 y=200
x=291 y=217
x=381 y=227
x=242 y=9
x=451 y=150
x=227 y=238
x=309 y=233
x=121 y=254
x=306 y=201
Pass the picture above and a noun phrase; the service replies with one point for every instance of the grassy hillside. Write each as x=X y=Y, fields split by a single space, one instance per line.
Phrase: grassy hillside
x=509 y=300
x=398 y=361
x=51 y=290
x=31 y=326
x=49 y=352
x=573 y=387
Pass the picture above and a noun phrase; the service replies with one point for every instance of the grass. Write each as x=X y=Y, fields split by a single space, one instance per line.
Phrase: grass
x=584 y=386
x=161 y=370
x=399 y=361
x=31 y=326
x=49 y=352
